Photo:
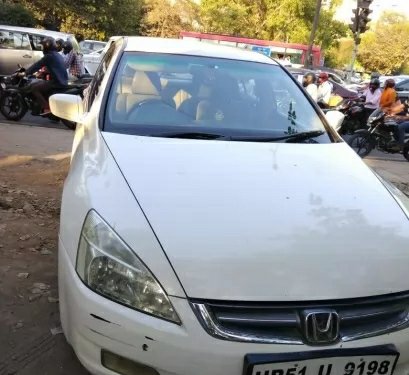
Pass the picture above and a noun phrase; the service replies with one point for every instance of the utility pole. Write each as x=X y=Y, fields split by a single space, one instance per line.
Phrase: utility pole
x=308 y=58
x=355 y=30
x=359 y=26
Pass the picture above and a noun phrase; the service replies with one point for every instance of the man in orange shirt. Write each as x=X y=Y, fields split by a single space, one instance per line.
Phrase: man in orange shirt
x=389 y=96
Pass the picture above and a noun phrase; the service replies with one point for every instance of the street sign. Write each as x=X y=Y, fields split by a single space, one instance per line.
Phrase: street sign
x=264 y=50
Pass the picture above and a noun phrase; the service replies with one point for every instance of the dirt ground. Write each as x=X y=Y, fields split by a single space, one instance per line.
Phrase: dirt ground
x=31 y=342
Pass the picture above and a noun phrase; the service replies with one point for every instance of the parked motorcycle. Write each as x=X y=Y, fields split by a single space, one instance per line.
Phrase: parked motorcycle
x=379 y=135
x=16 y=96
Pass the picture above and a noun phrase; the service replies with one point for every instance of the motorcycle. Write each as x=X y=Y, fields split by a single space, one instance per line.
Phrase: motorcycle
x=354 y=112
x=379 y=135
x=16 y=96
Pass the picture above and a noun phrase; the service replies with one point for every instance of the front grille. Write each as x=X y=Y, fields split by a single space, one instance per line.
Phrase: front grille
x=286 y=323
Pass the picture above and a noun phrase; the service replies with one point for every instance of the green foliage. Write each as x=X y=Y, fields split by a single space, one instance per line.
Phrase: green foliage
x=385 y=49
x=98 y=19
x=16 y=15
x=339 y=56
x=163 y=18
x=282 y=20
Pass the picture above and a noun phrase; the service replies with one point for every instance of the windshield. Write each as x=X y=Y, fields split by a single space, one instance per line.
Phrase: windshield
x=162 y=94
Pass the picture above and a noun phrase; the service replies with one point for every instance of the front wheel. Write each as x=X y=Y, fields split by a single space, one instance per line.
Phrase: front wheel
x=361 y=143
x=12 y=107
x=69 y=124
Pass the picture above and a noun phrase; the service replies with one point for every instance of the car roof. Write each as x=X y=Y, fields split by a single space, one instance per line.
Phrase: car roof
x=53 y=34
x=193 y=48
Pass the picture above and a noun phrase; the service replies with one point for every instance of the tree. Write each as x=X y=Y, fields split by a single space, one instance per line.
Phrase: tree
x=385 y=49
x=281 y=20
x=16 y=15
x=163 y=18
x=98 y=19
x=339 y=56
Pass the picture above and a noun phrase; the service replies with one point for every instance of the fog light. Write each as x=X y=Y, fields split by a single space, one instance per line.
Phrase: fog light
x=124 y=366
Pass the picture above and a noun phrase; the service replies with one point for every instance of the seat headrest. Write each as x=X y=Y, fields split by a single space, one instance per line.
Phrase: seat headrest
x=143 y=85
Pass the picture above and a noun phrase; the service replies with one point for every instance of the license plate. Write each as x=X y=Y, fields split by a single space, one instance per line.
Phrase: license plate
x=370 y=361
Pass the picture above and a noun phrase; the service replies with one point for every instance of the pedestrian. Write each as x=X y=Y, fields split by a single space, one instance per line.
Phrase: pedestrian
x=372 y=97
x=310 y=86
x=389 y=96
x=324 y=90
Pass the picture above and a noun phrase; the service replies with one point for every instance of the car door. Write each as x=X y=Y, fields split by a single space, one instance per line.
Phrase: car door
x=402 y=89
x=15 y=48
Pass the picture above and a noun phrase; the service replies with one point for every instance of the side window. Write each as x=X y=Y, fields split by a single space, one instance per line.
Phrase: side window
x=99 y=76
x=14 y=40
x=36 y=42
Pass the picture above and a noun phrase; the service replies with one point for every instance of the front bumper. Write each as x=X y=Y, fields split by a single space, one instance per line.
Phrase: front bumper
x=92 y=323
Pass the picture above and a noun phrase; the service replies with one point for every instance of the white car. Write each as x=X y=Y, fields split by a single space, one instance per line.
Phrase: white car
x=208 y=231
x=92 y=60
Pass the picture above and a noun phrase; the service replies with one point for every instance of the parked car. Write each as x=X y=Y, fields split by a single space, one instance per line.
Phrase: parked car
x=397 y=79
x=92 y=60
x=402 y=88
x=338 y=88
x=89 y=46
x=213 y=222
x=22 y=45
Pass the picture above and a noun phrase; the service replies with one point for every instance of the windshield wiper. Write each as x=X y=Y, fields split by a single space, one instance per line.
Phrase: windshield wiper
x=287 y=138
x=191 y=135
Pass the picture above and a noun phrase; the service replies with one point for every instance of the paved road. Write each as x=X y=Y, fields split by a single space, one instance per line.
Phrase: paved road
x=46 y=123
x=34 y=121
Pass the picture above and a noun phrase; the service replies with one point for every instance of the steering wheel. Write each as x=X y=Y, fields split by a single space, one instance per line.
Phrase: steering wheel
x=143 y=103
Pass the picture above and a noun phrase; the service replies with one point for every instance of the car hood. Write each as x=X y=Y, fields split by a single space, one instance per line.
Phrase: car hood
x=267 y=221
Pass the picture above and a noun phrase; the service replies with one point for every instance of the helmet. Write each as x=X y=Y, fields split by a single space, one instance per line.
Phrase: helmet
x=375 y=83
x=59 y=43
x=48 y=45
x=389 y=83
x=308 y=79
x=67 y=47
x=323 y=77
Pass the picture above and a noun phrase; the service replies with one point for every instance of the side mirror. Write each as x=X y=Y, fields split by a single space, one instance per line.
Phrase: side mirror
x=335 y=119
x=68 y=107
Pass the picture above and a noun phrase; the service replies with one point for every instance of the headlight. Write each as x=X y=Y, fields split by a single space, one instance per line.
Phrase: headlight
x=109 y=267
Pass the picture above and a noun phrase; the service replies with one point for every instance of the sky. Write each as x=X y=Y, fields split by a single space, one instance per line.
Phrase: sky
x=344 y=13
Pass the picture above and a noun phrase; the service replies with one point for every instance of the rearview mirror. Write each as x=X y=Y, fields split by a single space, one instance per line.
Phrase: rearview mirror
x=68 y=107
x=335 y=119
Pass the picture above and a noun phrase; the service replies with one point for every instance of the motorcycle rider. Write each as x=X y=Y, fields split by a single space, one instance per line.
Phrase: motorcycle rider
x=372 y=97
x=308 y=83
x=324 y=90
x=54 y=64
x=401 y=116
x=59 y=43
x=73 y=61
x=389 y=95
